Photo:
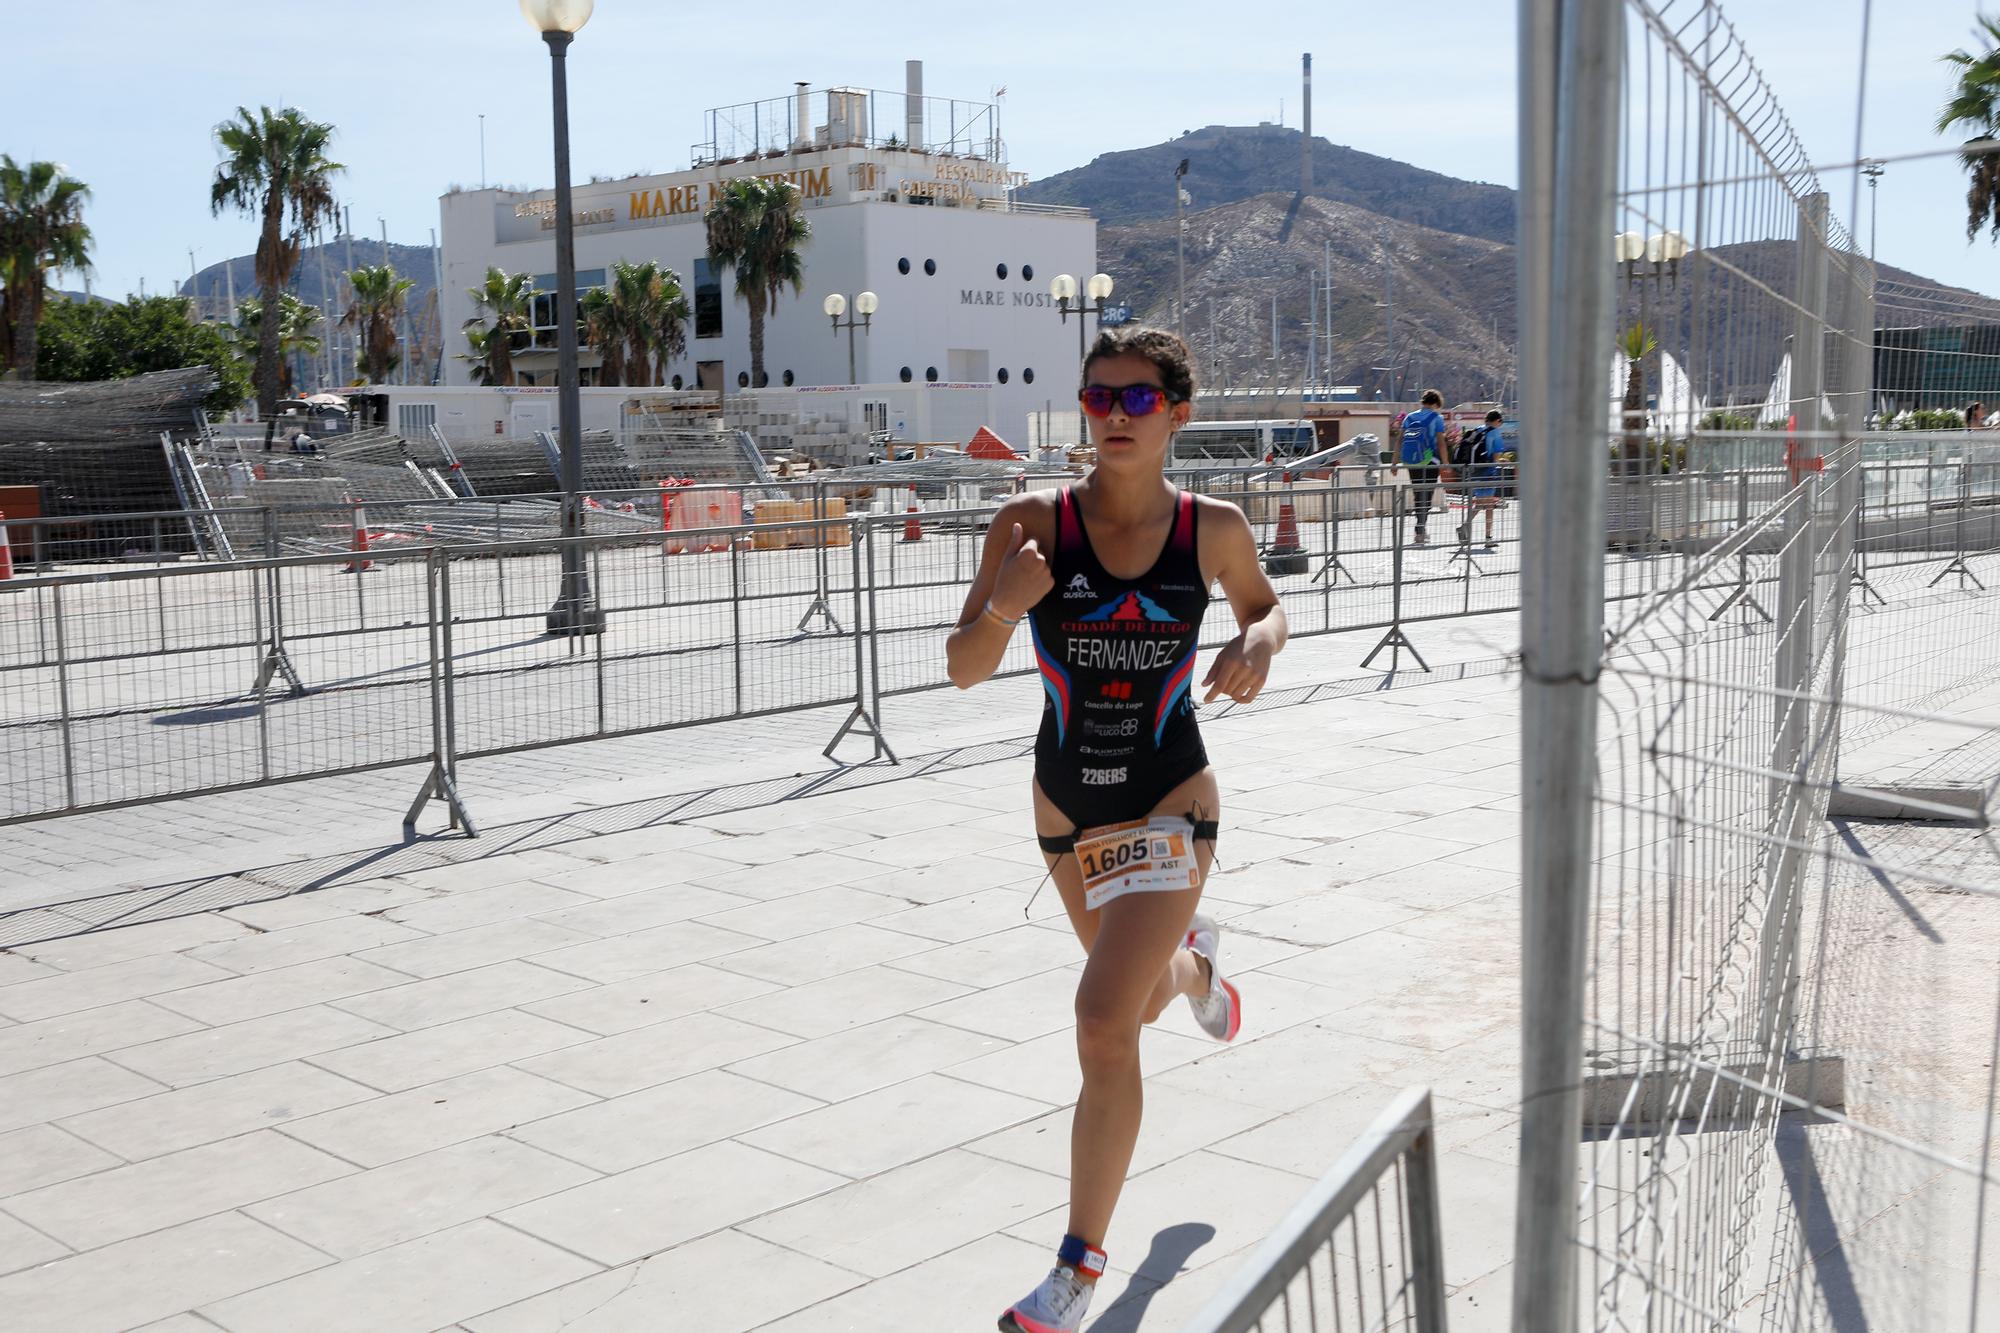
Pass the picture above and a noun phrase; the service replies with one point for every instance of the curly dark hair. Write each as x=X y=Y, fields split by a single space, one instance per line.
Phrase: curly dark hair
x=1165 y=350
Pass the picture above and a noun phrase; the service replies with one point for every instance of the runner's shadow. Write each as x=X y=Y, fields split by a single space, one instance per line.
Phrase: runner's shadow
x=1169 y=1255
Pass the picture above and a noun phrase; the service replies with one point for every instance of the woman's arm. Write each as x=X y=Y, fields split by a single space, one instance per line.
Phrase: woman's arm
x=1013 y=576
x=1239 y=670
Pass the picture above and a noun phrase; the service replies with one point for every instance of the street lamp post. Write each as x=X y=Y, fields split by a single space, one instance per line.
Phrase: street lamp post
x=865 y=306
x=1098 y=290
x=1664 y=250
x=575 y=610
x=1873 y=171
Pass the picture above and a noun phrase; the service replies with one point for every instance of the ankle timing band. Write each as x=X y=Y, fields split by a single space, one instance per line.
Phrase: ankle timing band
x=1081 y=1256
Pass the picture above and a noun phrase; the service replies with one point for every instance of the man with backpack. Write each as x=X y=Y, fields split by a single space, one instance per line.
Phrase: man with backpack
x=1476 y=459
x=1421 y=450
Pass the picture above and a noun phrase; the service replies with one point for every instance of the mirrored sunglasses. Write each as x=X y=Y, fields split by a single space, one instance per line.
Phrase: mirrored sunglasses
x=1137 y=400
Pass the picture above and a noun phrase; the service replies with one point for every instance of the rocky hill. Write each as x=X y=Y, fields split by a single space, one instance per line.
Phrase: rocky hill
x=318 y=282
x=1454 y=295
x=318 y=279
x=1228 y=164
x=1443 y=246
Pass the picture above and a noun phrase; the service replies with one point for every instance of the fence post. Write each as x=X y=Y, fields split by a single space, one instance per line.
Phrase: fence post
x=866 y=635
x=736 y=621
x=159 y=589
x=1798 y=628
x=257 y=609
x=1571 y=58
x=821 y=606
x=355 y=516
x=1964 y=508
x=874 y=638
x=448 y=673
x=1742 y=592
x=595 y=556
x=62 y=697
x=1426 y=1236
x=442 y=780
x=1395 y=640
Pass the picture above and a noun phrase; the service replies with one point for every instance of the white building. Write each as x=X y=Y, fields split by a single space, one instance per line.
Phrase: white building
x=960 y=269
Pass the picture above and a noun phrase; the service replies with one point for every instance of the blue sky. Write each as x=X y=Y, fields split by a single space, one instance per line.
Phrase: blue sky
x=126 y=94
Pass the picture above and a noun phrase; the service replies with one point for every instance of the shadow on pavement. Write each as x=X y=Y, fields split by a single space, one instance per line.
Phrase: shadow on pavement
x=1168 y=1256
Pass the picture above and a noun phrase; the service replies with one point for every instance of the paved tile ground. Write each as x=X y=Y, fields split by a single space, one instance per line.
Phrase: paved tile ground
x=803 y=1065
x=590 y=1081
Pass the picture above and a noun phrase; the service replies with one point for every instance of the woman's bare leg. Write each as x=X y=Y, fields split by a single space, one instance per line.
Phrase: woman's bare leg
x=1137 y=966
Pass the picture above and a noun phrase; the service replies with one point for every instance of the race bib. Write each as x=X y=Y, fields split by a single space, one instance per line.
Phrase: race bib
x=1144 y=856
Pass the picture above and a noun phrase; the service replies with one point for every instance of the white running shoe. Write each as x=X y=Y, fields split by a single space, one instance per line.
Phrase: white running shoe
x=1057 y=1306
x=1220 y=1012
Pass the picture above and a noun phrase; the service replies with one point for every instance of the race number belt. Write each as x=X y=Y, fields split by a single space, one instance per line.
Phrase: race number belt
x=1144 y=856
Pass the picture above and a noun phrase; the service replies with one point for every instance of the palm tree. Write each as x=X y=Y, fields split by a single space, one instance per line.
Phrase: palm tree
x=638 y=323
x=1975 y=105
x=604 y=325
x=379 y=297
x=505 y=298
x=297 y=334
x=667 y=313
x=1635 y=346
x=476 y=340
x=756 y=228
x=656 y=318
x=275 y=164
x=41 y=230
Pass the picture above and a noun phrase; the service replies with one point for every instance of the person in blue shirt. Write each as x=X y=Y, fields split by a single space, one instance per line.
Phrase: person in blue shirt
x=1421 y=450
x=1489 y=476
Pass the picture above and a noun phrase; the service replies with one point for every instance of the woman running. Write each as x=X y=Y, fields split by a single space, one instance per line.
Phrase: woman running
x=1113 y=575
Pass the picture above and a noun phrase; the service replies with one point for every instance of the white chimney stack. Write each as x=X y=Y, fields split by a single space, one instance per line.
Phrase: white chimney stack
x=804 y=131
x=1306 y=131
x=913 y=103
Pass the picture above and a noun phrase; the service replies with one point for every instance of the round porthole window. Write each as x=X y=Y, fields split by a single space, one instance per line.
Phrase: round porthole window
x=1002 y=376
x=930 y=374
x=1027 y=273
x=906 y=374
x=677 y=381
x=1000 y=271
x=930 y=267
x=742 y=379
x=788 y=379
x=902 y=266
x=1028 y=375
x=763 y=379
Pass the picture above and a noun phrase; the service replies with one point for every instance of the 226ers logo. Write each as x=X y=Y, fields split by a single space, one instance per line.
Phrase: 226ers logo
x=1102 y=777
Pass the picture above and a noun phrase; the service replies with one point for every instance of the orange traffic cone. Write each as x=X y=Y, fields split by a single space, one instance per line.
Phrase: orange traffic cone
x=1288 y=527
x=360 y=564
x=6 y=552
x=1286 y=556
x=913 y=529
x=669 y=546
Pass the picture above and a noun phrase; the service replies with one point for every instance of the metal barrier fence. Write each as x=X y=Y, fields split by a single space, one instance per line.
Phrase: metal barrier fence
x=1361 y=1251
x=1768 y=1101
x=135 y=683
